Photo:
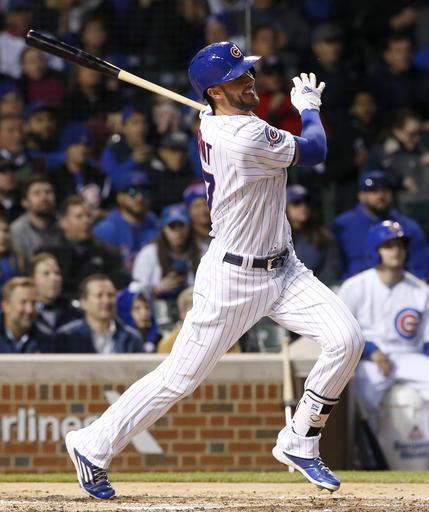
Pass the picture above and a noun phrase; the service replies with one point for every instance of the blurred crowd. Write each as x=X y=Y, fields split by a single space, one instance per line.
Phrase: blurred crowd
x=103 y=211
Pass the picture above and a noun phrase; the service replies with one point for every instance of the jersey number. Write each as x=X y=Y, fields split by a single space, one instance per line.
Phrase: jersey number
x=209 y=179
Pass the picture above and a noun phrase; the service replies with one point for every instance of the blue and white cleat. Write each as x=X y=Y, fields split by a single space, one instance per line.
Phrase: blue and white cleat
x=92 y=479
x=313 y=469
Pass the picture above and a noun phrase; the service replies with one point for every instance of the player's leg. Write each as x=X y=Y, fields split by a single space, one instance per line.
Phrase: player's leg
x=309 y=308
x=225 y=306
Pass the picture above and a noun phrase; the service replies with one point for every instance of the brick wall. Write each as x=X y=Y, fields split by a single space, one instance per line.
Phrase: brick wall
x=219 y=427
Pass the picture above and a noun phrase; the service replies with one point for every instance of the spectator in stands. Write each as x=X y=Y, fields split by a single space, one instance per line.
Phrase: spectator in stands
x=38 y=82
x=18 y=17
x=216 y=29
x=184 y=304
x=196 y=202
x=12 y=144
x=11 y=102
x=10 y=202
x=11 y=264
x=79 y=254
x=166 y=116
x=314 y=245
x=275 y=105
x=375 y=205
x=100 y=331
x=170 y=171
x=53 y=309
x=78 y=175
x=41 y=134
x=145 y=322
x=131 y=152
x=395 y=82
x=167 y=266
x=18 y=330
x=38 y=226
x=131 y=225
x=402 y=154
x=135 y=308
x=87 y=97
x=350 y=142
x=392 y=308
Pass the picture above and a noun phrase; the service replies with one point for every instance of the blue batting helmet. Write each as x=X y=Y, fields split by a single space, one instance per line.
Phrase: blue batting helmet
x=380 y=233
x=218 y=63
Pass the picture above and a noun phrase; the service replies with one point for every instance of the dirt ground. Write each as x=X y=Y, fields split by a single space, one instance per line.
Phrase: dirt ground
x=163 y=497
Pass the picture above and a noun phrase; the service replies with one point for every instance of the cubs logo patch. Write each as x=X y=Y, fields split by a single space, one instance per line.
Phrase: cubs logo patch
x=273 y=136
x=235 y=52
x=407 y=322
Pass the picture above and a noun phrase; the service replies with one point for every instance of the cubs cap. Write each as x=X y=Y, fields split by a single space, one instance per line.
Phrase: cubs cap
x=375 y=180
x=174 y=213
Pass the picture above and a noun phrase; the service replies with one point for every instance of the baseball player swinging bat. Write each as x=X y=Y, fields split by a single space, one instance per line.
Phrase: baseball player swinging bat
x=72 y=54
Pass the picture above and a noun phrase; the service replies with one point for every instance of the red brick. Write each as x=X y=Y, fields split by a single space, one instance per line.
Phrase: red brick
x=245 y=447
x=217 y=421
x=20 y=448
x=273 y=391
x=19 y=392
x=189 y=461
x=69 y=392
x=56 y=392
x=269 y=407
x=95 y=392
x=245 y=461
x=5 y=394
x=188 y=434
x=194 y=420
x=82 y=392
x=7 y=408
x=121 y=388
x=49 y=447
x=208 y=392
x=174 y=409
x=96 y=408
x=235 y=391
x=260 y=391
x=196 y=395
x=189 y=408
x=189 y=447
x=265 y=460
x=217 y=460
x=247 y=391
x=31 y=392
x=244 y=434
x=217 y=434
x=135 y=461
x=165 y=434
x=51 y=409
x=275 y=420
x=244 y=420
x=245 y=407
x=50 y=461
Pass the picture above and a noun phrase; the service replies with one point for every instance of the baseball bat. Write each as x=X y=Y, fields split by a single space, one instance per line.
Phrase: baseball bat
x=72 y=54
x=289 y=401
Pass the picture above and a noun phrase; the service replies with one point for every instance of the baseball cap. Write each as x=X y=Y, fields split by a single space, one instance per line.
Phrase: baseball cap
x=7 y=86
x=175 y=140
x=132 y=180
x=297 y=193
x=38 y=106
x=174 y=213
x=375 y=180
x=326 y=32
x=194 y=191
x=74 y=133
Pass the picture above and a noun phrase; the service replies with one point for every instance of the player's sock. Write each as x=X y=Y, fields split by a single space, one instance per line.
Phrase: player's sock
x=311 y=414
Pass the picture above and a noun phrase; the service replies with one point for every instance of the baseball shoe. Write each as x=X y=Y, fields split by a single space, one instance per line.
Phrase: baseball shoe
x=313 y=469
x=92 y=479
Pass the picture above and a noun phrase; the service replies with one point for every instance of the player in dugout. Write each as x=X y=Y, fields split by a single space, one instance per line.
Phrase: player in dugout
x=249 y=271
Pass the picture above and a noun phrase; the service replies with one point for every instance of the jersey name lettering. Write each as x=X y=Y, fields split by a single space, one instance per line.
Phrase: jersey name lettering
x=204 y=148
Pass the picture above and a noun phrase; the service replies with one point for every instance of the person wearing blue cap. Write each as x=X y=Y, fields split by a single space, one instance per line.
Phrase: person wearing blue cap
x=168 y=265
x=376 y=195
x=196 y=202
x=78 y=174
x=131 y=225
x=132 y=151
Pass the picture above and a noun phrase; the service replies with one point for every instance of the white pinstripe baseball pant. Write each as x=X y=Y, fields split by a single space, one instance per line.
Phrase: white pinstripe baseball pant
x=228 y=300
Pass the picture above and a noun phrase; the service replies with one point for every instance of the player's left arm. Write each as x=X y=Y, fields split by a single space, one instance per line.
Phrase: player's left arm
x=310 y=147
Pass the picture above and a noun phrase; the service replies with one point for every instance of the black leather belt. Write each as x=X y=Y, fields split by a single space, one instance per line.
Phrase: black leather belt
x=272 y=263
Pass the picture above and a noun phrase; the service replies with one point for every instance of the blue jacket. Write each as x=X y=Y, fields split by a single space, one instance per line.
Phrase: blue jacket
x=116 y=160
x=128 y=238
x=351 y=230
x=76 y=338
x=34 y=341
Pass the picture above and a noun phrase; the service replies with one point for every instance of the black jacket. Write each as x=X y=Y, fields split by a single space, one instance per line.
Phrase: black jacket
x=34 y=341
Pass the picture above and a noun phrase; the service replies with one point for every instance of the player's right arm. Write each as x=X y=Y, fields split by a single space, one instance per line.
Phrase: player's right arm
x=310 y=146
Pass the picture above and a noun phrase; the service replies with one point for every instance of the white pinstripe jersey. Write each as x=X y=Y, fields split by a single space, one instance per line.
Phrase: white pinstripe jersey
x=244 y=163
x=396 y=318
